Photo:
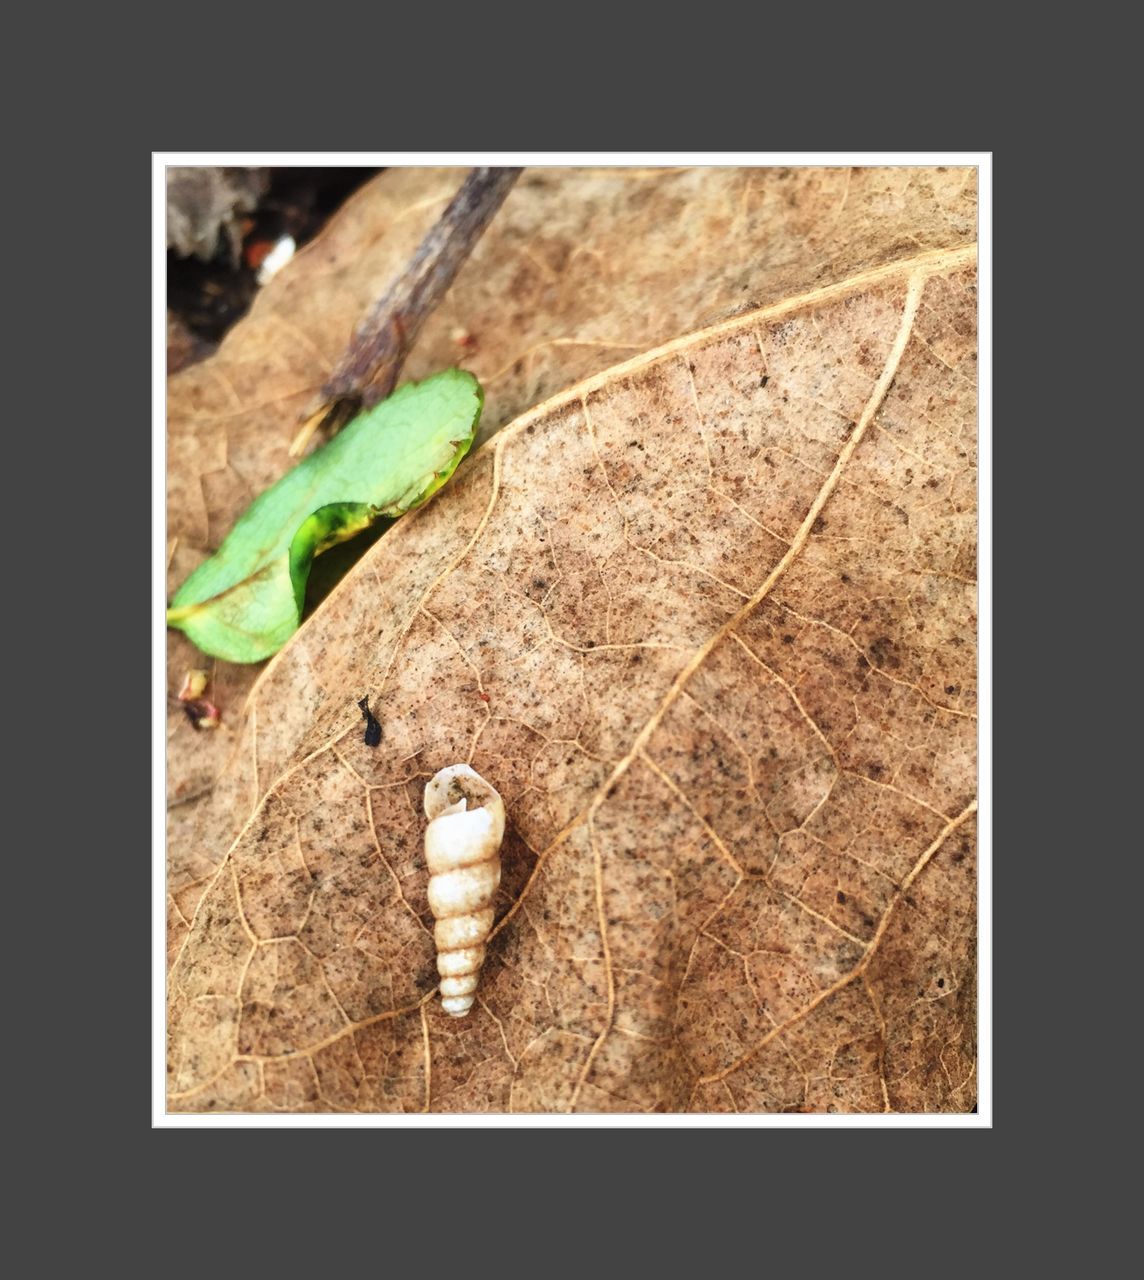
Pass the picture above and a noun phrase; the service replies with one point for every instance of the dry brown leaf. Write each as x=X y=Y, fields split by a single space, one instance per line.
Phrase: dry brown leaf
x=582 y=268
x=707 y=622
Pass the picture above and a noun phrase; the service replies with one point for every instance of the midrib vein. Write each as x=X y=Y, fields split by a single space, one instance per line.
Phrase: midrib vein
x=915 y=286
x=913 y=297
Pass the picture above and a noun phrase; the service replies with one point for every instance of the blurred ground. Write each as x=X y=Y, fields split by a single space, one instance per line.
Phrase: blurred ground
x=221 y=225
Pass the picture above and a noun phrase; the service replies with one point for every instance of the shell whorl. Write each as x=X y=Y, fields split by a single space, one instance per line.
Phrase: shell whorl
x=462 y=849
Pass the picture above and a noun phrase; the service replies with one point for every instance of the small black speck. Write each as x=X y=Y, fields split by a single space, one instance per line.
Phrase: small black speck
x=372 y=724
x=764 y=379
x=788 y=639
x=941 y=982
x=841 y=896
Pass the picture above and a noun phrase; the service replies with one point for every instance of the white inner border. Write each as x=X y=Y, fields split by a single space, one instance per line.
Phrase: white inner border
x=983 y=161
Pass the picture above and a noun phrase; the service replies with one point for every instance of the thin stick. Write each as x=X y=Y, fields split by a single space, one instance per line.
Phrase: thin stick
x=369 y=370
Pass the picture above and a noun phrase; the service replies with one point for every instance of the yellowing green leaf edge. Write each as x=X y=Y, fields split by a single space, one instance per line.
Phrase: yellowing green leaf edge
x=245 y=601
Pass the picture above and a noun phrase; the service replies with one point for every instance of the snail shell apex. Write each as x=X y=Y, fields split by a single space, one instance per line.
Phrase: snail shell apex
x=462 y=850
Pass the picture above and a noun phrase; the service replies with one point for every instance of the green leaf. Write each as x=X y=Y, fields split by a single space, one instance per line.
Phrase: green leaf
x=245 y=602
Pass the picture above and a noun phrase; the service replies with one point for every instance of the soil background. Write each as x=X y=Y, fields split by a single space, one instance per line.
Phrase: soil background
x=221 y=225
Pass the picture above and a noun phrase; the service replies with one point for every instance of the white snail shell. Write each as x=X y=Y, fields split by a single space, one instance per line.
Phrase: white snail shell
x=462 y=848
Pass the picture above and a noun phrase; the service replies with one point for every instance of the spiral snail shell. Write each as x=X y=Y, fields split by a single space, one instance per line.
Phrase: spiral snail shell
x=462 y=848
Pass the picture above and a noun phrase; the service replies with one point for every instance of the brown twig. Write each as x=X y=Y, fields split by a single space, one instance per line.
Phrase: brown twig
x=369 y=370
